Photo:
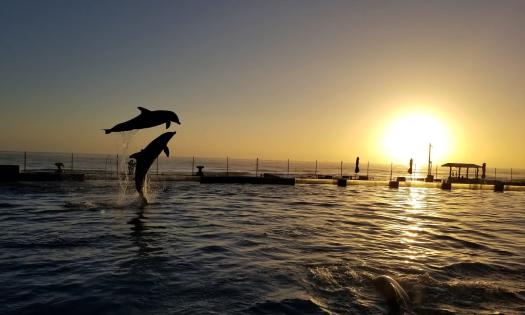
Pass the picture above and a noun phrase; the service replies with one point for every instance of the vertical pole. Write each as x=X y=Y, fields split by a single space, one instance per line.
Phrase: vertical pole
x=390 y=171
x=192 y=165
x=257 y=167
x=25 y=160
x=436 y=171
x=315 y=168
x=511 y=174
x=341 y=168
x=117 y=165
x=288 y=169
x=227 y=167
x=494 y=173
x=429 y=161
x=367 y=167
x=72 y=165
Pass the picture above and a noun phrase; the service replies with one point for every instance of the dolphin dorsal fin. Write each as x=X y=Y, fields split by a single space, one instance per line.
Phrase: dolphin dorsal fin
x=143 y=110
x=168 y=123
x=167 y=151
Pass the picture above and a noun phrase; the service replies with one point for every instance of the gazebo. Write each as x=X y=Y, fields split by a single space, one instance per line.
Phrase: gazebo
x=456 y=174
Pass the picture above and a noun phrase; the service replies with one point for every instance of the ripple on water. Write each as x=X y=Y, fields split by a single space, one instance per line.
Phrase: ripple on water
x=258 y=249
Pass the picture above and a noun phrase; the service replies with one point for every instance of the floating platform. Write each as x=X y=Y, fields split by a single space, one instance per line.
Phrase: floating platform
x=11 y=173
x=247 y=180
x=46 y=176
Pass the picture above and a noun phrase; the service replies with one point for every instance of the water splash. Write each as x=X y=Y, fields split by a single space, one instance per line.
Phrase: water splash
x=124 y=180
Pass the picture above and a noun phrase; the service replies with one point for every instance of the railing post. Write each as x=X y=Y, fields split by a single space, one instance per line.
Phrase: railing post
x=227 y=167
x=25 y=161
x=257 y=167
x=341 y=168
x=288 y=169
x=72 y=165
x=193 y=165
x=315 y=168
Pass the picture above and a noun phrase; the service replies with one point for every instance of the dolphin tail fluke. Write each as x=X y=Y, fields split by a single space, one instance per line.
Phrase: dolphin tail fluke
x=107 y=131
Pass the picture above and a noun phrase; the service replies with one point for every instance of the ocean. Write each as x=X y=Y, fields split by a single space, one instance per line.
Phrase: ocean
x=88 y=248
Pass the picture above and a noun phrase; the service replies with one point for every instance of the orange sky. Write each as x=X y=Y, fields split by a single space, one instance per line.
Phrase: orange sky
x=271 y=79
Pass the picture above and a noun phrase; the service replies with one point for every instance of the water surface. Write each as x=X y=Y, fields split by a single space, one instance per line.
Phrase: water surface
x=245 y=249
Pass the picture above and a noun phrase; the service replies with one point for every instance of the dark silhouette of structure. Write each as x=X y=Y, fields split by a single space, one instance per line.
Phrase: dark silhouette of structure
x=59 y=166
x=145 y=159
x=455 y=176
x=200 y=172
x=147 y=118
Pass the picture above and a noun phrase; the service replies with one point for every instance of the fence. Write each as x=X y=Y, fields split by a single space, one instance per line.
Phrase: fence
x=115 y=164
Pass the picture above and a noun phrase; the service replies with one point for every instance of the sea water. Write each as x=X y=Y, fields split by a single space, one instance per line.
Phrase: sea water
x=80 y=248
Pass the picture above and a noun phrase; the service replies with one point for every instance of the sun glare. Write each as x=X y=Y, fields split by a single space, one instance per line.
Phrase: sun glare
x=408 y=136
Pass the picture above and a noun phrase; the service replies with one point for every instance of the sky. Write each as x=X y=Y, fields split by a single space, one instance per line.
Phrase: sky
x=305 y=80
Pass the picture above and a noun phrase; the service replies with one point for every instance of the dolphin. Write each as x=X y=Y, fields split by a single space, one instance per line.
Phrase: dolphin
x=395 y=296
x=147 y=118
x=146 y=157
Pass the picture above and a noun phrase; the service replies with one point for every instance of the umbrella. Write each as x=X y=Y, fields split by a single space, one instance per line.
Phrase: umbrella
x=410 y=168
x=357 y=165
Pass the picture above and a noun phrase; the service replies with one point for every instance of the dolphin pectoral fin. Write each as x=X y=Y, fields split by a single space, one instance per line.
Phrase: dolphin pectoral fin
x=167 y=151
x=143 y=110
x=168 y=123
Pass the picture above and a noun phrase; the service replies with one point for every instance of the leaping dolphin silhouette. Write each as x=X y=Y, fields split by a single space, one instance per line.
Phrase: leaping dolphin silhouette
x=147 y=118
x=146 y=157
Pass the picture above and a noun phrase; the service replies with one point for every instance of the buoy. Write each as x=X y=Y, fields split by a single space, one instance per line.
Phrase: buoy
x=341 y=182
x=393 y=184
x=499 y=186
x=446 y=186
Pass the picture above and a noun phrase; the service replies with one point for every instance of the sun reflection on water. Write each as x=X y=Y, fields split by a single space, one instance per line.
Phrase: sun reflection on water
x=413 y=225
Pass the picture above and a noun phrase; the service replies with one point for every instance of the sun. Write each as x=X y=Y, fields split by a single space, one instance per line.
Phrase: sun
x=409 y=135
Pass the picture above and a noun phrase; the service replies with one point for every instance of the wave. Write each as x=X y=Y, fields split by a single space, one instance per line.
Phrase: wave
x=478 y=269
x=53 y=243
x=98 y=205
x=288 y=306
